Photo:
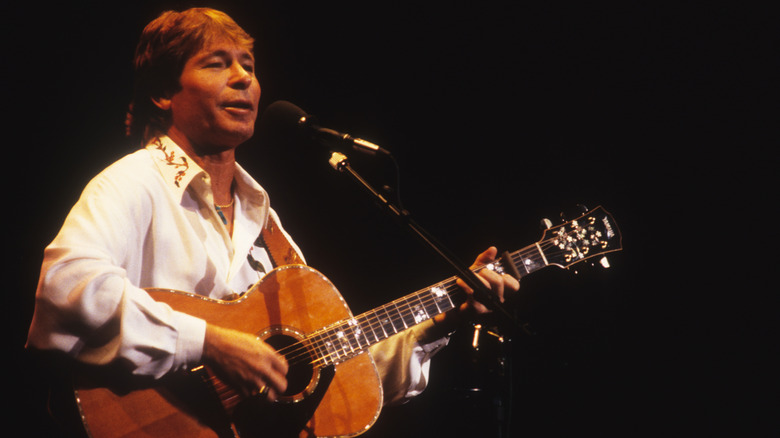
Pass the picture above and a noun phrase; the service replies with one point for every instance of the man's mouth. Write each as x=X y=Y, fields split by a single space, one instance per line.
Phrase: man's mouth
x=242 y=105
x=240 y=110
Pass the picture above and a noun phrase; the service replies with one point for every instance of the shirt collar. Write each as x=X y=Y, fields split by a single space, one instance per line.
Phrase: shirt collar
x=179 y=171
x=176 y=168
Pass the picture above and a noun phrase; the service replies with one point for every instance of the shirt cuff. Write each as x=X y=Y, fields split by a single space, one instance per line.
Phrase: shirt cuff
x=189 y=343
x=429 y=334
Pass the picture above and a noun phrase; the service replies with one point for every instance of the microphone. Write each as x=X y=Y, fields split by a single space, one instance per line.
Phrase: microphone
x=285 y=118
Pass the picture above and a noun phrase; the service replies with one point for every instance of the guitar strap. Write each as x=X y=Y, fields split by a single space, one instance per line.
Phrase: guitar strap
x=280 y=251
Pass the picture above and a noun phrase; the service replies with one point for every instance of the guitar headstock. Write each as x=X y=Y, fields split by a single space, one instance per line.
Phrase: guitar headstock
x=592 y=234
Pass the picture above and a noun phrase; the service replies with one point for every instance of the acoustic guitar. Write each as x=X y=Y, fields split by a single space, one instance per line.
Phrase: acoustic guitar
x=333 y=385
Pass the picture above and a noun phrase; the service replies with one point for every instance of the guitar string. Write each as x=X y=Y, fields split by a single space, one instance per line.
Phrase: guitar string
x=299 y=351
x=372 y=321
x=341 y=348
x=368 y=324
x=324 y=338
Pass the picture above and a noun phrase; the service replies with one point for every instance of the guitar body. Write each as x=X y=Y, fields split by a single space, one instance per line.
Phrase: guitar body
x=289 y=302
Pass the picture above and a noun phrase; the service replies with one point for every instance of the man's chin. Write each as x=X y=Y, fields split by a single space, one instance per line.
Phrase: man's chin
x=236 y=136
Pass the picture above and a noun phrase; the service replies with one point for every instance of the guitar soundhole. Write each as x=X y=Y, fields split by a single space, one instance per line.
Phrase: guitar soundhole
x=302 y=376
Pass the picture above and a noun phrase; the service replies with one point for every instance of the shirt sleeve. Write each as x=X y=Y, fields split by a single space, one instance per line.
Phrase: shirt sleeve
x=403 y=362
x=87 y=307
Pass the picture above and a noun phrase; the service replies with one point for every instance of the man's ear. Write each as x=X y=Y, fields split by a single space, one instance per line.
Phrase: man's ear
x=164 y=103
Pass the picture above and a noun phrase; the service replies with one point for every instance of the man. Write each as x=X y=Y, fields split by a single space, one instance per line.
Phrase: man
x=182 y=214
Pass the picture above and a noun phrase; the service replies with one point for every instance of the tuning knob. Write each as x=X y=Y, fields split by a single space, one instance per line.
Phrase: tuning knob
x=545 y=224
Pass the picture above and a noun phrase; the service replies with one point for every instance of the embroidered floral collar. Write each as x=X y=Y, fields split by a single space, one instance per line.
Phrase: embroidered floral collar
x=176 y=168
x=179 y=171
x=173 y=157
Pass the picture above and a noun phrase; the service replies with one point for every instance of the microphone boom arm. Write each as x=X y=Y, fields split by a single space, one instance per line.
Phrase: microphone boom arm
x=340 y=162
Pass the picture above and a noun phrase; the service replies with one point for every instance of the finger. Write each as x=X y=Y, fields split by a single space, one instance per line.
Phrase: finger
x=468 y=289
x=278 y=382
x=494 y=281
x=266 y=392
x=279 y=362
x=269 y=385
x=261 y=392
x=269 y=369
x=511 y=283
x=273 y=380
x=274 y=361
x=270 y=394
x=487 y=256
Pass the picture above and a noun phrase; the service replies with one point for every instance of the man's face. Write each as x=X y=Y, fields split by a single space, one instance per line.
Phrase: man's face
x=216 y=106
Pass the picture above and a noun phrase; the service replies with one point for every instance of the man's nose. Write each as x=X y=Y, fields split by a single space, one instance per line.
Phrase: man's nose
x=240 y=78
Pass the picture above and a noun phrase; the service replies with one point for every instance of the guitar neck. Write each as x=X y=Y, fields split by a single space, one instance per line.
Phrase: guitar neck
x=348 y=338
x=592 y=234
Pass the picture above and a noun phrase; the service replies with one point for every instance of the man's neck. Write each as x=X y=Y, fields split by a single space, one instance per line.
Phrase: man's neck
x=220 y=164
x=221 y=168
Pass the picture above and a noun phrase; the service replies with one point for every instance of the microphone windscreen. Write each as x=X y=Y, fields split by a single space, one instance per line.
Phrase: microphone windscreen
x=283 y=118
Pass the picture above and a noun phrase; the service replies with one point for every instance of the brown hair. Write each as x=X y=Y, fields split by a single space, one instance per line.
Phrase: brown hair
x=165 y=45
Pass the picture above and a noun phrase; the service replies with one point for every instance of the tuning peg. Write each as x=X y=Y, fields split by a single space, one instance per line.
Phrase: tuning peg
x=583 y=208
x=545 y=224
x=604 y=262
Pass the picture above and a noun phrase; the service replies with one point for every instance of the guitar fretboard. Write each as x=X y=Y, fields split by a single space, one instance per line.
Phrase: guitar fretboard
x=348 y=338
x=587 y=236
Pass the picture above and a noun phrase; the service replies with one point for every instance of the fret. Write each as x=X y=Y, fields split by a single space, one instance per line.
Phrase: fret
x=316 y=343
x=400 y=316
x=541 y=254
x=355 y=333
x=346 y=337
x=328 y=347
x=378 y=320
x=442 y=299
x=342 y=344
x=420 y=313
x=407 y=315
x=387 y=322
x=334 y=347
x=429 y=304
x=368 y=329
x=376 y=325
x=343 y=333
x=529 y=260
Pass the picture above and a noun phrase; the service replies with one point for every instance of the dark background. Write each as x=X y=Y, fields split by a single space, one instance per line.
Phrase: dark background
x=499 y=114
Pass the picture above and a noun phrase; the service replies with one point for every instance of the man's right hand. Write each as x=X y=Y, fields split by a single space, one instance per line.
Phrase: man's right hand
x=246 y=362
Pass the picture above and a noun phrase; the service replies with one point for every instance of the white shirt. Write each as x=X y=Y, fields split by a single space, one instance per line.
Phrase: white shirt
x=149 y=220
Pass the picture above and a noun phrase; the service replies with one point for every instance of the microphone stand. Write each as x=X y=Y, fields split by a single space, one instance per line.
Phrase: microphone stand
x=340 y=162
